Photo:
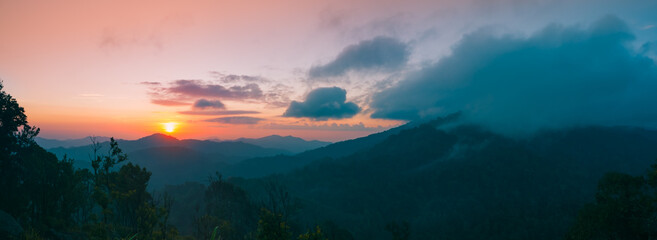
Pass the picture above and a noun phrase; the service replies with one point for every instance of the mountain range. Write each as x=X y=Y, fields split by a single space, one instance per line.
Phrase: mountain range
x=171 y=160
x=443 y=178
x=462 y=181
x=288 y=143
x=53 y=143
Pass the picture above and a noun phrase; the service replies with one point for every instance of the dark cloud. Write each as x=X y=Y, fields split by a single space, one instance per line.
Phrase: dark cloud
x=236 y=120
x=212 y=107
x=322 y=104
x=559 y=76
x=224 y=87
x=380 y=53
x=197 y=88
x=181 y=92
x=208 y=104
x=217 y=112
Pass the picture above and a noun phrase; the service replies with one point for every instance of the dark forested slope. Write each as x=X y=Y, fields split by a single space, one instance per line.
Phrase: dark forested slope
x=465 y=182
x=263 y=166
x=174 y=161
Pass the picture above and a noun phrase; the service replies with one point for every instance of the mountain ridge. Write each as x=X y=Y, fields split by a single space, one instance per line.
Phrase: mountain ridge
x=203 y=157
x=457 y=182
x=48 y=143
x=289 y=143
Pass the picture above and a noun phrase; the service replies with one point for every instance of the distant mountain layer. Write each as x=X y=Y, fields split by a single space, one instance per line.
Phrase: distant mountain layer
x=174 y=161
x=263 y=166
x=53 y=143
x=460 y=182
x=289 y=143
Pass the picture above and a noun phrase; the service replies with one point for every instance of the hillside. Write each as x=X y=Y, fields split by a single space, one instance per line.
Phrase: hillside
x=288 y=143
x=54 y=143
x=465 y=182
x=263 y=166
x=174 y=161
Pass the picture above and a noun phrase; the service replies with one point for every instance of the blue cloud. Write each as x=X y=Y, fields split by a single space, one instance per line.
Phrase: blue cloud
x=559 y=76
x=380 y=53
x=323 y=104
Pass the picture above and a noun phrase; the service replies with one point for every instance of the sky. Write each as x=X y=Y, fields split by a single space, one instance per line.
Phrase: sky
x=327 y=70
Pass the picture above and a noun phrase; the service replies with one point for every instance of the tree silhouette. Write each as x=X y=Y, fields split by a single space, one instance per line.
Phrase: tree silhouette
x=625 y=207
x=16 y=136
x=399 y=231
x=272 y=227
x=313 y=235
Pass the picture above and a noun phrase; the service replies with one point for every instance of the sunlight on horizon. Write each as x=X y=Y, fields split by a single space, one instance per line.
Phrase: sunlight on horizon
x=170 y=127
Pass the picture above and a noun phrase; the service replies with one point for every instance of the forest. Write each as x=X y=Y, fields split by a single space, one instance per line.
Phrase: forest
x=430 y=180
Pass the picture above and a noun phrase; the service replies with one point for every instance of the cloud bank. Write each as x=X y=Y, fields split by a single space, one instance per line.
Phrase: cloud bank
x=323 y=104
x=181 y=92
x=198 y=88
x=208 y=104
x=559 y=76
x=380 y=53
x=236 y=120
x=218 y=112
x=225 y=87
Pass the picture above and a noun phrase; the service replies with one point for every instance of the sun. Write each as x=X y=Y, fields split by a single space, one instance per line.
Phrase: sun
x=170 y=127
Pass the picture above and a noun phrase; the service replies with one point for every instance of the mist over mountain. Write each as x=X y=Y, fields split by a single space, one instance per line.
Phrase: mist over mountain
x=288 y=143
x=557 y=77
x=463 y=181
x=263 y=166
x=54 y=143
x=173 y=161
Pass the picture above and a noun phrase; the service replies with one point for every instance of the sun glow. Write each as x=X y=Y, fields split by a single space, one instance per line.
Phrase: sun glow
x=170 y=126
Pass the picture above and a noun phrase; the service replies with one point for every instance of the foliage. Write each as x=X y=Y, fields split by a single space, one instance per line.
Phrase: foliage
x=313 y=235
x=53 y=200
x=46 y=194
x=126 y=207
x=16 y=138
x=230 y=205
x=625 y=207
x=463 y=182
x=399 y=231
x=272 y=227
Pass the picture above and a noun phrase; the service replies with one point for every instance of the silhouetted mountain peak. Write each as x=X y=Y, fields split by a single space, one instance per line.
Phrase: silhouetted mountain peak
x=158 y=137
